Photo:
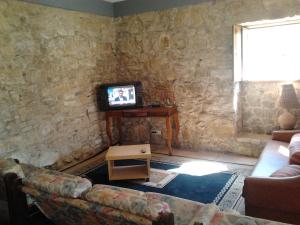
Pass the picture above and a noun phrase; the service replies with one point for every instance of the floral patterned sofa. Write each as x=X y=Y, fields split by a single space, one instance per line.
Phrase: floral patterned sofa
x=66 y=199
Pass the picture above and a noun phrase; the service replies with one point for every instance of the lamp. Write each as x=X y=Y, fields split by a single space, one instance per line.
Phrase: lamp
x=288 y=100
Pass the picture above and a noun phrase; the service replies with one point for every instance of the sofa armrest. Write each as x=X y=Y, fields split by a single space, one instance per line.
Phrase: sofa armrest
x=273 y=193
x=10 y=166
x=16 y=200
x=284 y=135
x=57 y=183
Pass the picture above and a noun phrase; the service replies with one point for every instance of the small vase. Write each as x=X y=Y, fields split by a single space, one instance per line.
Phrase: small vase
x=287 y=121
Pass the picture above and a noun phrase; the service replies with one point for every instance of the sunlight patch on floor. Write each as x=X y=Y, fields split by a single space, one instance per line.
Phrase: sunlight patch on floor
x=197 y=168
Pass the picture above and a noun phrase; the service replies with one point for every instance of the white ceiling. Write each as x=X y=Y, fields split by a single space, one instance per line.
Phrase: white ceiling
x=114 y=0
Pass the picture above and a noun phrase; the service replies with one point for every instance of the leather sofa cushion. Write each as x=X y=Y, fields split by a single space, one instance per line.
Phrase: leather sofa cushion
x=287 y=171
x=274 y=156
x=294 y=148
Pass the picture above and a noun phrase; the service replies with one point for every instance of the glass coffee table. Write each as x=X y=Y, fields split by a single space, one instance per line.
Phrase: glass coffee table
x=125 y=152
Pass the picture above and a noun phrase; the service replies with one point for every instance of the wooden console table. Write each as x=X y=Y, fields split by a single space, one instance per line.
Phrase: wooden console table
x=168 y=112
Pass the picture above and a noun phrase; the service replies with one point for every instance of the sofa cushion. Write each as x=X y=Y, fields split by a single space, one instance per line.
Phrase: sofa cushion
x=183 y=209
x=127 y=200
x=274 y=156
x=211 y=214
x=287 y=171
x=77 y=211
x=58 y=183
x=294 y=148
x=10 y=166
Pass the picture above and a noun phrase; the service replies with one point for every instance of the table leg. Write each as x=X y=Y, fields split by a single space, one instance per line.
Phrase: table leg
x=110 y=164
x=148 y=167
x=177 y=128
x=169 y=134
x=108 y=129
x=147 y=179
x=119 y=125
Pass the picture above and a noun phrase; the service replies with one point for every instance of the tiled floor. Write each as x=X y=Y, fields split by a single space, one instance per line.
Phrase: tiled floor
x=207 y=155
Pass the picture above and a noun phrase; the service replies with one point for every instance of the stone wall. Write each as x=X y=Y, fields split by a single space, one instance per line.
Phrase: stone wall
x=50 y=61
x=260 y=106
x=189 y=50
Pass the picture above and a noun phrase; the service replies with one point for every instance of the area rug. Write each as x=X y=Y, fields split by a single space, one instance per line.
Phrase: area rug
x=158 y=178
x=199 y=180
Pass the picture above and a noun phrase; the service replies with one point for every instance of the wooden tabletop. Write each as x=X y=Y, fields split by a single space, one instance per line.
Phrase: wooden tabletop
x=143 y=112
x=128 y=152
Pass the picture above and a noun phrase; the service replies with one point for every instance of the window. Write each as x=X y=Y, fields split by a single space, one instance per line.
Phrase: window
x=268 y=52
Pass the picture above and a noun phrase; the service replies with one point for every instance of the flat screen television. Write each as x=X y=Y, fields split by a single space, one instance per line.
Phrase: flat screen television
x=119 y=96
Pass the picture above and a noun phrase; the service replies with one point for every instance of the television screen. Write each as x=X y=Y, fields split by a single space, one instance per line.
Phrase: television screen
x=118 y=96
x=121 y=96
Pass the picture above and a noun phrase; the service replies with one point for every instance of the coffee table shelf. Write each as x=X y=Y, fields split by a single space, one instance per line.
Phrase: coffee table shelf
x=129 y=172
x=125 y=152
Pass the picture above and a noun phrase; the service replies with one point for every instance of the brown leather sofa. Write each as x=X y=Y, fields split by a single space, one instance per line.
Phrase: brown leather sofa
x=273 y=198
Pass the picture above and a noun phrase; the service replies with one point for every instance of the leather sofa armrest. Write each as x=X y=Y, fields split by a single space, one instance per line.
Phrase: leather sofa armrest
x=284 y=135
x=273 y=193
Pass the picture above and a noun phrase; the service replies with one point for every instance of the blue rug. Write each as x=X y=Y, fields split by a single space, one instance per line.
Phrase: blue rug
x=204 y=188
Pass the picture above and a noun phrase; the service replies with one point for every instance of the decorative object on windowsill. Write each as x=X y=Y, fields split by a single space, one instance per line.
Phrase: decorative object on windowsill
x=288 y=100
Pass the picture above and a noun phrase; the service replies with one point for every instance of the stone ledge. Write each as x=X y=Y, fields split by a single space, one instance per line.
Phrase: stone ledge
x=251 y=144
x=251 y=138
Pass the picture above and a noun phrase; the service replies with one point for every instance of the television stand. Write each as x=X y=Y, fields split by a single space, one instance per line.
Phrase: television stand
x=167 y=112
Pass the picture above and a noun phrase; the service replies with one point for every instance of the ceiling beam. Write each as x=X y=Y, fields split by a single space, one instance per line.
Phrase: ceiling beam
x=131 y=7
x=117 y=9
x=89 y=6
